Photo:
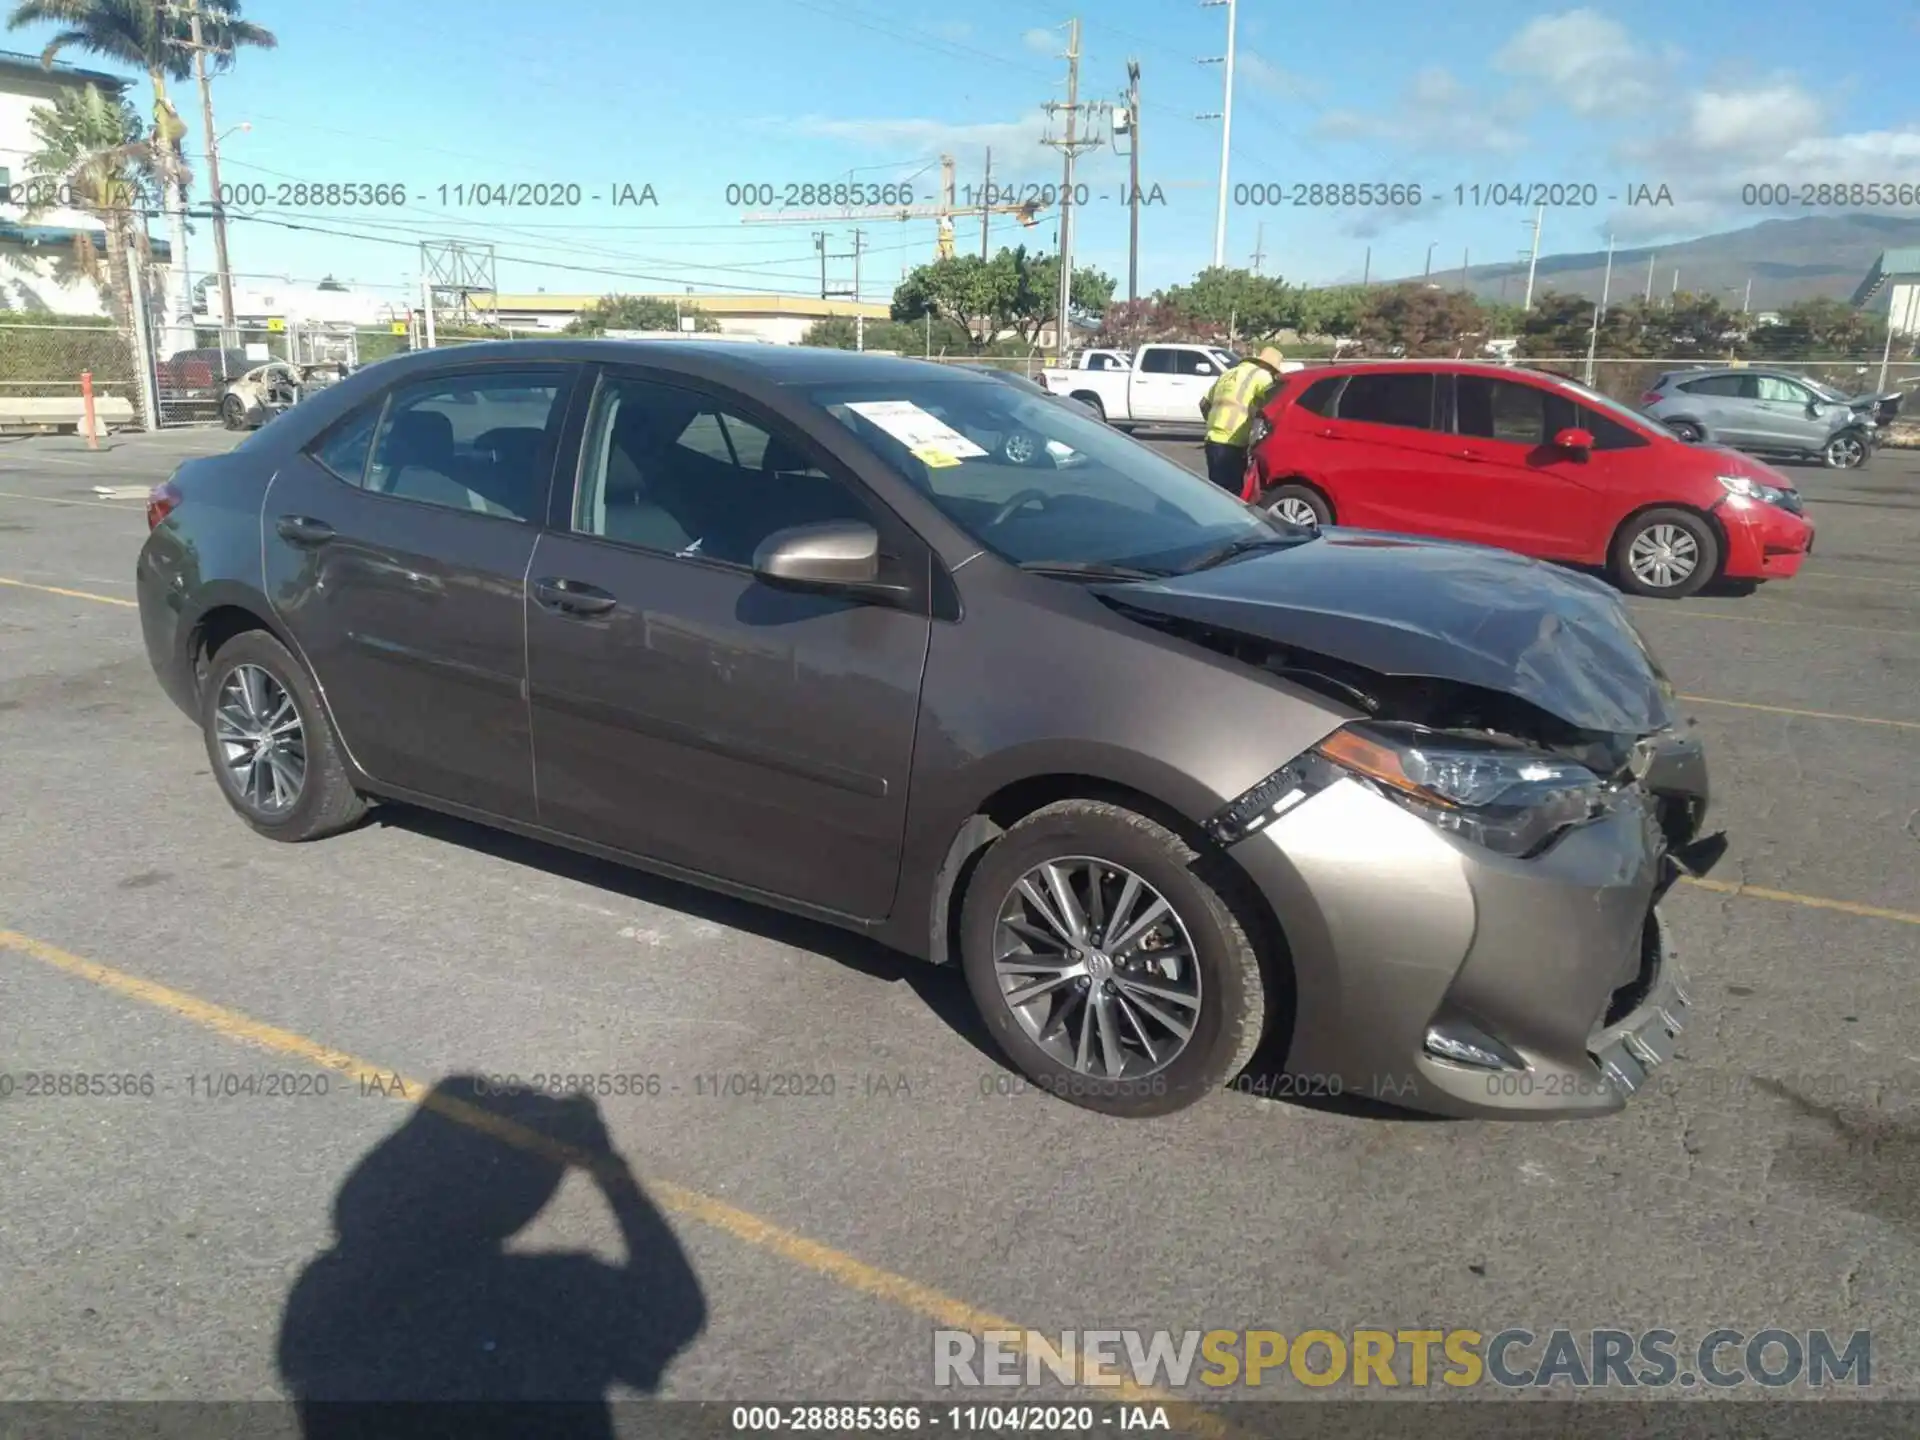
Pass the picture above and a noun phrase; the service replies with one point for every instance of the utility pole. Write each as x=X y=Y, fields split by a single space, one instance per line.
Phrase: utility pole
x=1650 y=259
x=1070 y=148
x=820 y=244
x=1133 y=181
x=197 y=43
x=1366 y=270
x=1259 y=245
x=1533 y=260
x=1675 y=291
x=1226 y=126
x=859 y=315
x=1747 y=304
x=1466 y=254
x=1599 y=312
x=986 y=203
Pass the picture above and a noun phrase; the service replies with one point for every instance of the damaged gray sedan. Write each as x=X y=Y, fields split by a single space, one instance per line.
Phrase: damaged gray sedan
x=1165 y=777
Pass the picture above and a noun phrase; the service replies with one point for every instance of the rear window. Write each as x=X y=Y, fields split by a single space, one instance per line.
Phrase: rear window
x=1317 y=398
x=1390 y=398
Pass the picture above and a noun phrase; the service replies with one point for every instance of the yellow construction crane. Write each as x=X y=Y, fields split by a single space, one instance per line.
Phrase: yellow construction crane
x=944 y=212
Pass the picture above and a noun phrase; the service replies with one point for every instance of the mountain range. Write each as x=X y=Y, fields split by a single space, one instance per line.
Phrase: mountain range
x=1786 y=260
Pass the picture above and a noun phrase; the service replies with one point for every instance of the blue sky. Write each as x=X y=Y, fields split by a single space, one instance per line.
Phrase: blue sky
x=689 y=98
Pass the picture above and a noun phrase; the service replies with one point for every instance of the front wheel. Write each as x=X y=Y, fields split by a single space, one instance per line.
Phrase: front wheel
x=1110 y=969
x=1846 y=451
x=1667 y=554
x=1093 y=402
x=233 y=412
x=271 y=745
x=1688 y=431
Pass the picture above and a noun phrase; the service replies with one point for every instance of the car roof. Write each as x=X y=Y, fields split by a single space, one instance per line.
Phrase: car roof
x=1440 y=367
x=768 y=363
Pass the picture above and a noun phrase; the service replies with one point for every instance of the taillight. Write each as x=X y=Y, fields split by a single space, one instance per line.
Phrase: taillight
x=1652 y=397
x=162 y=501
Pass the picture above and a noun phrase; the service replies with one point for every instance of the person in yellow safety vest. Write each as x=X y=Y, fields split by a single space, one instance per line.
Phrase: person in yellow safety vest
x=1230 y=407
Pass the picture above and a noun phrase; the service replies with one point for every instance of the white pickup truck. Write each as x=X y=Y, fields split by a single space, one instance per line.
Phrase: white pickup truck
x=1155 y=385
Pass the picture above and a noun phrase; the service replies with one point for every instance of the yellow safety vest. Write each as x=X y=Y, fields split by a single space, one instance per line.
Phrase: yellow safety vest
x=1232 y=400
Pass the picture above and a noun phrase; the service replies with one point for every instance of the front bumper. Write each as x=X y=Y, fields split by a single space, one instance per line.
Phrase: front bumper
x=1764 y=542
x=1397 y=930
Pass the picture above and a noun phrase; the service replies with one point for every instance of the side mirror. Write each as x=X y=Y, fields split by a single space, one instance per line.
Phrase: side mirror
x=1575 y=439
x=832 y=556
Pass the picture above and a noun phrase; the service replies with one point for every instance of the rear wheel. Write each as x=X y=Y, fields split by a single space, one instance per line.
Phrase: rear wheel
x=271 y=746
x=1688 y=431
x=233 y=412
x=1092 y=401
x=1107 y=964
x=1297 y=504
x=1846 y=451
x=1667 y=554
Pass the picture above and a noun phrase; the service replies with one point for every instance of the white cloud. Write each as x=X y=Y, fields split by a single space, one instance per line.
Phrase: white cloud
x=1043 y=42
x=1586 y=61
x=1435 y=113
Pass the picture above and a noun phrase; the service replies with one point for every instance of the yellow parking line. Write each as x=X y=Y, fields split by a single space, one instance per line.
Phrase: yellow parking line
x=71 y=594
x=1790 y=897
x=1682 y=614
x=1808 y=714
x=835 y=1265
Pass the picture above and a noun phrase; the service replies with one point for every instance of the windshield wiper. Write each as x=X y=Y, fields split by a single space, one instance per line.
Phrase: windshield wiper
x=1093 y=569
x=1244 y=545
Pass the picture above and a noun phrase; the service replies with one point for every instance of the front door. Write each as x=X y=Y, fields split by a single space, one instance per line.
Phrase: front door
x=686 y=711
x=1789 y=418
x=1170 y=384
x=396 y=555
x=1513 y=488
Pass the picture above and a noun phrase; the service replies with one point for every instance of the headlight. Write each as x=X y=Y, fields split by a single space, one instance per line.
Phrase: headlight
x=1508 y=798
x=1752 y=489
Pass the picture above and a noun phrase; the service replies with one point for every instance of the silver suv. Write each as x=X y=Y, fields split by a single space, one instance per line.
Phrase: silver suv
x=1764 y=411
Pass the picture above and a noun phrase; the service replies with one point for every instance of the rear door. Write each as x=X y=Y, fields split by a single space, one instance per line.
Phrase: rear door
x=686 y=711
x=396 y=554
x=1170 y=383
x=1516 y=490
x=1383 y=452
x=1728 y=406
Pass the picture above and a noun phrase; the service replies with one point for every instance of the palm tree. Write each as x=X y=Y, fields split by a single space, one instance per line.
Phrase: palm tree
x=92 y=155
x=153 y=36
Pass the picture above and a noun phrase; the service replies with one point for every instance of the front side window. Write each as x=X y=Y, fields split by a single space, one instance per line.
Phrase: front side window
x=1196 y=362
x=1772 y=387
x=1390 y=398
x=1507 y=410
x=480 y=441
x=1038 y=482
x=669 y=470
x=344 y=449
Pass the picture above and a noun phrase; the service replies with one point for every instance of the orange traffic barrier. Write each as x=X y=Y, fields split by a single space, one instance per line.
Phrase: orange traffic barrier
x=86 y=398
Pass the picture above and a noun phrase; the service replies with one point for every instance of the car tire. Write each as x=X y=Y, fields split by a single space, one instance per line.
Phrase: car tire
x=1092 y=401
x=1686 y=430
x=1096 y=839
x=1022 y=447
x=233 y=412
x=1666 y=554
x=1293 y=502
x=1849 y=450
x=273 y=687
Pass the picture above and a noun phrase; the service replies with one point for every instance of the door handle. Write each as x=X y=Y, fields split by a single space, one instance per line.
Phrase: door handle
x=573 y=597
x=301 y=530
x=1327 y=433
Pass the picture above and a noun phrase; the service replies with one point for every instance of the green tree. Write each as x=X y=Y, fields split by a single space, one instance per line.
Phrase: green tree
x=92 y=148
x=152 y=37
x=1255 y=307
x=972 y=293
x=1333 y=311
x=839 y=332
x=1421 y=320
x=637 y=312
x=1037 y=295
x=1556 y=325
x=1820 y=328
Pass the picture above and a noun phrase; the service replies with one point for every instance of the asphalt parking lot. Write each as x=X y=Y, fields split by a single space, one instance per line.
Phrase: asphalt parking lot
x=804 y=1246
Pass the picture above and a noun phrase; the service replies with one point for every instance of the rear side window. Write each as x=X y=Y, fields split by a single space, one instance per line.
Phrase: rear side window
x=1317 y=398
x=1773 y=387
x=480 y=441
x=1725 y=385
x=1157 y=362
x=1396 y=398
x=344 y=449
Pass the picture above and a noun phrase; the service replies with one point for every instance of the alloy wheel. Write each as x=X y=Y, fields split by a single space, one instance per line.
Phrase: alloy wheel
x=1097 y=968
x=1663 y=556
x=1844 y=452
x=1020 y=448
x=1295 y=511
x=262 y=742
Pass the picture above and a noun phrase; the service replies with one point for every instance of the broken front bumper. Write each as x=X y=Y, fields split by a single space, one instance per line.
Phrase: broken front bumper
x=1434 y=974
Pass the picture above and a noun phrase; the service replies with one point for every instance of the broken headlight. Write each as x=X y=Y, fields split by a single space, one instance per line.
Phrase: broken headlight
x=1508 y=798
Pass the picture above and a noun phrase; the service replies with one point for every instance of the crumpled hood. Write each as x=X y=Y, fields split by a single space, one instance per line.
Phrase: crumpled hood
x=1405 y=606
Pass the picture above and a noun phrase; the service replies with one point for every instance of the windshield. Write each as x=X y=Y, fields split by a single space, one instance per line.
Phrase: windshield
x=1037 y=482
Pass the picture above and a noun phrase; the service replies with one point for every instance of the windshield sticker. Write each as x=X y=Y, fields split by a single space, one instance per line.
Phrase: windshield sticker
x=929 y=438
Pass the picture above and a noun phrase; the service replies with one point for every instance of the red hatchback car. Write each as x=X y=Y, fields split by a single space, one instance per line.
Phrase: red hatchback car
x=1526 y=461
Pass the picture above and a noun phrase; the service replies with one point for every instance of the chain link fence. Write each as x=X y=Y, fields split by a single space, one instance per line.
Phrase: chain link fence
x=46 y=370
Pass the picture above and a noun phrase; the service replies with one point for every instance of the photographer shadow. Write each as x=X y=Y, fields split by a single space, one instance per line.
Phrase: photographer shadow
x=419 y=1321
